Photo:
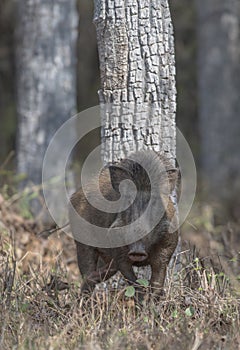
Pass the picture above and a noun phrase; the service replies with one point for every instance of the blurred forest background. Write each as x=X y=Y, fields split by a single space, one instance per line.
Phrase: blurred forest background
x=43 y=83
x=208 y=97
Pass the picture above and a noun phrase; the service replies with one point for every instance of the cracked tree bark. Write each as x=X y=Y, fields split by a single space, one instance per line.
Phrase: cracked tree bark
x=137 y=66
x=46 y=77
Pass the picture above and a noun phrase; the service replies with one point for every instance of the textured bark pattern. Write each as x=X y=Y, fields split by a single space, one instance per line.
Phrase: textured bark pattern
x=219 y=93
x=46 y=86
x=137 y=64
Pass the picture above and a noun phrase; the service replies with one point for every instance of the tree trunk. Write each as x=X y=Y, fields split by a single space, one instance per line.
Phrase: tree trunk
x=88 y=70
x=137 y=64
x=137 y=67
x=7 y=108
x=219 y=94
x=46 y=77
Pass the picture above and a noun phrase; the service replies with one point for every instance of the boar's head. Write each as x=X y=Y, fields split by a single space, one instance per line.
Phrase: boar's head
x=154 y=178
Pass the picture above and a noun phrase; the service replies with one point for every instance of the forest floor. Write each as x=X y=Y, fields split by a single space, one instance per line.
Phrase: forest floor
x=40 y=306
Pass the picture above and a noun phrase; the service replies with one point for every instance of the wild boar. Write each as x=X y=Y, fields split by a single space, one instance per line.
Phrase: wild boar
x=157 y=242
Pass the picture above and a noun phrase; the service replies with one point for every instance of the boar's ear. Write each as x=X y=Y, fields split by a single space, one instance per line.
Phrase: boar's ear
x=118 y=173
x=173 y=177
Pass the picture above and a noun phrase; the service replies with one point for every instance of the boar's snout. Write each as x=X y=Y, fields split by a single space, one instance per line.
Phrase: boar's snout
x=137 y=256
x=137 y=252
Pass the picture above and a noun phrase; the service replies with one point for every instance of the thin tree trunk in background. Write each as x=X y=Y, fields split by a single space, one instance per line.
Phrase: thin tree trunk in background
x=88 y=70
x=137 y=66
x=219 y=94
x=7 y=108
x=46 y=77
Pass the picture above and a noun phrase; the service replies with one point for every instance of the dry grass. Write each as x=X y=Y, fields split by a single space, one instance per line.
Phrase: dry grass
x=40 y=307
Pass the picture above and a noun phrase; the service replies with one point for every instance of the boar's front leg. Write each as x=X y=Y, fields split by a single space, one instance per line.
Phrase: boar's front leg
x=87 y=262
x=159 y=269
x=126 y=270
x=159 y=263
x=98 y=276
